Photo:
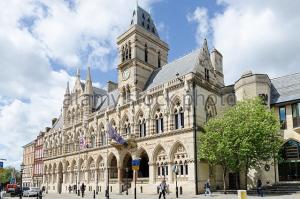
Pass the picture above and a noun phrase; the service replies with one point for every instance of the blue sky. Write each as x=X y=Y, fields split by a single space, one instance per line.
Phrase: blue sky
x=171 y=19
x=43 y=42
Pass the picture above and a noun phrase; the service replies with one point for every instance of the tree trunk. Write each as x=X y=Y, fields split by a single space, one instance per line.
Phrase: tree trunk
x=224 y=180
x=246 y=176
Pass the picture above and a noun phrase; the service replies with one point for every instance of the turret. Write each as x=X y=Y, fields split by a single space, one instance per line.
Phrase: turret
x=88 y=94
x=66 y=102
x=77 y=86
x=88 y=90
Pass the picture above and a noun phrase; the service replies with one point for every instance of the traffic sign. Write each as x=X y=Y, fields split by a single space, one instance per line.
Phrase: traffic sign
x=1 y=165
x=136 y=164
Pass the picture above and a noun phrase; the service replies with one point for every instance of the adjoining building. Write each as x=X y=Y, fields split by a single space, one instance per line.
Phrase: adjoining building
x=28 y=160
x=162 y=106
x=38 y=161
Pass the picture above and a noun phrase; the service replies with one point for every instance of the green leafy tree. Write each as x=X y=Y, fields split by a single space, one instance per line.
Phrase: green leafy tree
x=242 y=137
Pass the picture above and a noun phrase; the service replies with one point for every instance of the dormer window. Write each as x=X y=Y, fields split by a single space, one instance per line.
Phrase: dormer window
x=146 y=53
x=133 y=13
x=143 y=16
x=143 y=24
x=148 y=20
x=153 y=30
x=131 y=22
x=148 y=27
x=206 y=71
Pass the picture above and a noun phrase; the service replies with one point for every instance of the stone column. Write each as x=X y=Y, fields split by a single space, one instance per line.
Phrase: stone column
x=86 y=176
x=120 y=178
x=152 y=173
x=170 y=173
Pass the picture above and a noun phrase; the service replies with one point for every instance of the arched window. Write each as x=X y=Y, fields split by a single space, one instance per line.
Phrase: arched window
x=93 y=141
x=179 y=116
x=159 y=122
x=158 y=59
x=102 y=133
x=123 y=54
x=129 y=48
x=146 y=53
x=126 y=52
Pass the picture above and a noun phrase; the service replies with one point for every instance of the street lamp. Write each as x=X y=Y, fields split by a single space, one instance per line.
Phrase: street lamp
x=126 y=169
x=21 y=185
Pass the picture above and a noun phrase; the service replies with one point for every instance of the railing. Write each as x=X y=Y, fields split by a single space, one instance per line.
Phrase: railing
x=296 y=122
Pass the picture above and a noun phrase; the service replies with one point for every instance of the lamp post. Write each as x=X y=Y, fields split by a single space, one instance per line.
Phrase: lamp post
x=126 y=169
x=21 y=184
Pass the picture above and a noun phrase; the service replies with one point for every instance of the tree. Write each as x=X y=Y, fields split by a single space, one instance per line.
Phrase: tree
x=242 y=137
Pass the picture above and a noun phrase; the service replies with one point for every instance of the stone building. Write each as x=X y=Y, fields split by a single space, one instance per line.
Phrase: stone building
x=162 y=107
x=38 y=161
x=28 y=161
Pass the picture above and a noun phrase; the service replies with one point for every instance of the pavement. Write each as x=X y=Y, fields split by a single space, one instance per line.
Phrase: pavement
x=170 y=196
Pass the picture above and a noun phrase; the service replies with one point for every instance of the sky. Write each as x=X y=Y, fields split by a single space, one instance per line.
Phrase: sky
x=43 y=42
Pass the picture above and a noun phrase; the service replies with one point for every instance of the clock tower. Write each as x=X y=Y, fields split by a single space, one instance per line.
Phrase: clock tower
x=141 y=51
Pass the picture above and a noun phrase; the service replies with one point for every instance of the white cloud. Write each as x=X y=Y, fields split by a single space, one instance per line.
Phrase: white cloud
x=35 y=33
x=261 y=36
x=200 y=16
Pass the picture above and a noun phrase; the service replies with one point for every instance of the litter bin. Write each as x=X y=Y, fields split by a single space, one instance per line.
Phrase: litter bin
x=242 y=194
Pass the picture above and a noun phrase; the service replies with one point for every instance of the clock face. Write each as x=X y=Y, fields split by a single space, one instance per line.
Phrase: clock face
x=126 y=74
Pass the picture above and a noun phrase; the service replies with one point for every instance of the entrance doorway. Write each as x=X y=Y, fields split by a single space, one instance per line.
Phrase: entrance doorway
x=234 y=181
x=289 y=168
x=144 y=165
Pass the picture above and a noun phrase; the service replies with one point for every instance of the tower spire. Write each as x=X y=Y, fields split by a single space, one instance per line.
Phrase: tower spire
x=67 y=89
x=88 y=84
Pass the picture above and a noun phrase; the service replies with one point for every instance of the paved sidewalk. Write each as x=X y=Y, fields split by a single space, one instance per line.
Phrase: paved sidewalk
x=170 y=196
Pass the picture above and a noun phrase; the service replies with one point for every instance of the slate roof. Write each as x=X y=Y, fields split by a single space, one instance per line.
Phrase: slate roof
x=58 y=124
x=285 y=88
x=182 y=66
x=108 y=100
x=143 y=19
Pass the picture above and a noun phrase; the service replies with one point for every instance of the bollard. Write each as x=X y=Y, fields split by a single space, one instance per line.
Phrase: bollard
x=94 y=194
x=242 y=194
x=180 y=190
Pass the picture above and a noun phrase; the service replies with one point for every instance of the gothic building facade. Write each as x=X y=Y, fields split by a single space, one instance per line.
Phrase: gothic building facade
x=159 y=105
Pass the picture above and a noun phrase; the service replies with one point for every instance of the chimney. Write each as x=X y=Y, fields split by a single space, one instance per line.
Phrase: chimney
x=47 y=129
x=111 y=86
x=53 y=121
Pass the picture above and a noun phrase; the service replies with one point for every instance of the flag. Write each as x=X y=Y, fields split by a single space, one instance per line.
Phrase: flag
x=82 y=143
x=113 y=134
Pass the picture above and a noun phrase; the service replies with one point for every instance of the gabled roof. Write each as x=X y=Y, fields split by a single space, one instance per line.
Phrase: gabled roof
x=182 y=66
x=143 y=19
x=285 y=88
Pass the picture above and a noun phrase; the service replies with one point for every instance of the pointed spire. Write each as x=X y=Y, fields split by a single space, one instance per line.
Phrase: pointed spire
x=77 y=86
x=88 y=84
x=204 y=52
x=67 y=89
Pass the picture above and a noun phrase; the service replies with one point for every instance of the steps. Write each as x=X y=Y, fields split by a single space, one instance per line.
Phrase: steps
x=275 y=189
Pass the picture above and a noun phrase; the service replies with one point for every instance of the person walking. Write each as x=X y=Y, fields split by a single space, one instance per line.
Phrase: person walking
x=70 y=189
x=162 y=189
x=82 y=188
x=259 y=188
x=207 y=188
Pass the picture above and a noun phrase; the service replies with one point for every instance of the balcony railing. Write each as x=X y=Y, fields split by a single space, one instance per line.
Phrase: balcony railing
x=296 y=122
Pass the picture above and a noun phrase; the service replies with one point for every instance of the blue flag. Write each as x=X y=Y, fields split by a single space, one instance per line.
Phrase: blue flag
x=113 y=134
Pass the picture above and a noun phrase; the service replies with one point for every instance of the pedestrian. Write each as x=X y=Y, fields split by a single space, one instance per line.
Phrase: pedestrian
x=82 y=188
x=162 y=189
x=259 y=188
x=70 y=188
x=207 y=187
